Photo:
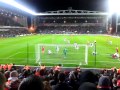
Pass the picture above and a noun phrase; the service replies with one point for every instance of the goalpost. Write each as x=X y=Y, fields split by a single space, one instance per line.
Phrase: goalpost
x=77 y=56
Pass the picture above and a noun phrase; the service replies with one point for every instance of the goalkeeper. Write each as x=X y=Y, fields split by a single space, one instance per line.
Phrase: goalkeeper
x=65 y=52
x=57 y=49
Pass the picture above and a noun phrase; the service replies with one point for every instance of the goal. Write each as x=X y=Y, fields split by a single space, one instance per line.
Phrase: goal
x=51 y=54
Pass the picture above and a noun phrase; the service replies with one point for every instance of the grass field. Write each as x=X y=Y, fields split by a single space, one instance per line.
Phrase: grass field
x=21 y=50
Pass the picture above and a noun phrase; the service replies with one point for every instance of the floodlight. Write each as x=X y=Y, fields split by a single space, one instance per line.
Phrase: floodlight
x=114 y=6
x=17 y=5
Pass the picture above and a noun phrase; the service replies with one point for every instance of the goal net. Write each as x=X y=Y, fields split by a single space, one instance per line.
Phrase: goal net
x=68 y=54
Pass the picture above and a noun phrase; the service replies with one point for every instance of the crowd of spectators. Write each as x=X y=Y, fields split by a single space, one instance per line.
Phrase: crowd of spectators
x=10 y=18
x=71 y=30
x=57 y=78
x=6 y=21
x=13 y=32
x=71 y=24
x=12 y=23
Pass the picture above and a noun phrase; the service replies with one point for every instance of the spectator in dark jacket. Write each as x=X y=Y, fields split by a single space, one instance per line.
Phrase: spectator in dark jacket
x=2 y=81
x=31 y=83
x=104 y=83
x=61 y=85
x=88 y=86
x=88 y=76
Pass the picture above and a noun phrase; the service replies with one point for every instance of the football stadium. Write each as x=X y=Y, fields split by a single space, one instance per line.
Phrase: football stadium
x=89 y=37
x=68 y=49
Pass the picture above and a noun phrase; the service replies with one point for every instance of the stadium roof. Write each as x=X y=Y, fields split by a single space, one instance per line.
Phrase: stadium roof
x=32 y=6
x=54 y=5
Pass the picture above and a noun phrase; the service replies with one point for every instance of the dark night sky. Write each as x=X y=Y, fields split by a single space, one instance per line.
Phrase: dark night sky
x=53 y=5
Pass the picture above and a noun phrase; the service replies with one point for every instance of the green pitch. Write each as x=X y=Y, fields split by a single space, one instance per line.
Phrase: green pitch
x=66 y=55
x=21 y=50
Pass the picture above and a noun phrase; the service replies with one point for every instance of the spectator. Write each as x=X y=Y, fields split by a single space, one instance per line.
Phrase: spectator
x=2 y=81
x=104 y=83
x=61 y=85
x=88 y=76
x=114 y=82
x=54 y=81
x=73 y=81
x=7 y=74
x=47 y=85
x=31 y=83
x=88 y=86
x=13 y=81
x=13 y=66
x=13 y=76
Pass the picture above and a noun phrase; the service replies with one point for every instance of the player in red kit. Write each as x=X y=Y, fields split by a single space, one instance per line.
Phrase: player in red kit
x=43 y=49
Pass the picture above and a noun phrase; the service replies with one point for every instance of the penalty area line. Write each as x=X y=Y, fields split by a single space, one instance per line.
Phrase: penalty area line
x=13 y=55
x=61 y=63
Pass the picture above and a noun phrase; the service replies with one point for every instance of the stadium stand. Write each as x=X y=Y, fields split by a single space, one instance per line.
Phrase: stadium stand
x=53 y=79
x=13 y=32
x=71 y=30
x=10 y=18
x=71 y=25
x=12 y=23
